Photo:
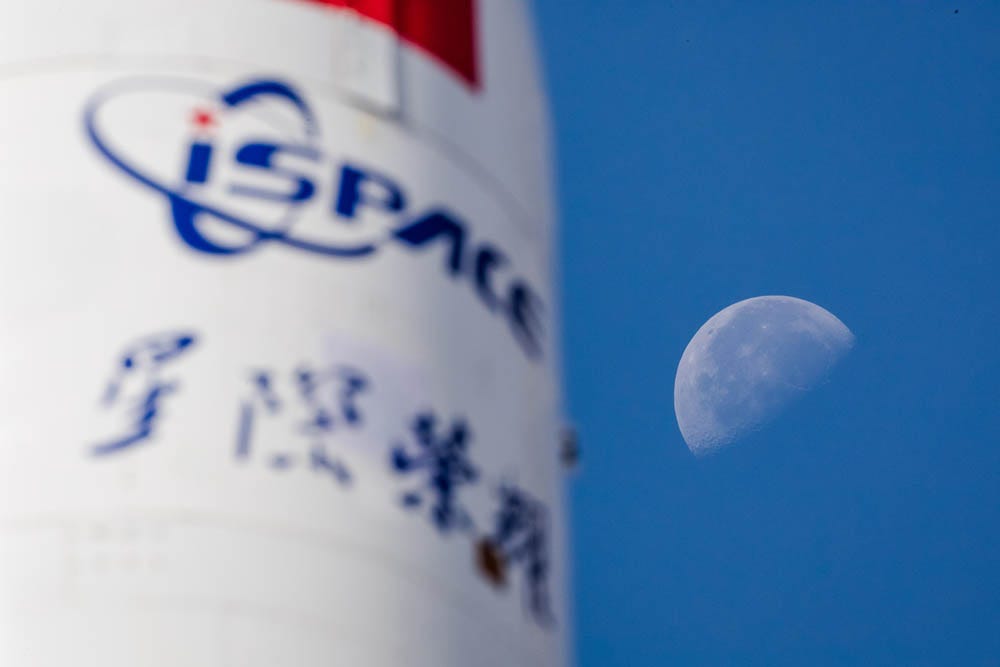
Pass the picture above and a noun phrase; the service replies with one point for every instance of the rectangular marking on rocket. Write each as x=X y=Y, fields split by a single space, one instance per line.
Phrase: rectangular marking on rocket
x=444 y=29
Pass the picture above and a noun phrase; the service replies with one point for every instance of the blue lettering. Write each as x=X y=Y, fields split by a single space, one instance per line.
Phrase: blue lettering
x=285 y=175
x=487 y=259
x=525 y=322
x=199 y=161
x=261 y=156
x=354 y=193
x=431 y=227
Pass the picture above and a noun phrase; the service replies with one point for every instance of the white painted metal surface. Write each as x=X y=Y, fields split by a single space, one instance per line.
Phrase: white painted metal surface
x=278 y=341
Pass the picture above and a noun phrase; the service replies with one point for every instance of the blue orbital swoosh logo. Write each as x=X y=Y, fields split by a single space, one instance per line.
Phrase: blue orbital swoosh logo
x=252 y=165
x=187 y=210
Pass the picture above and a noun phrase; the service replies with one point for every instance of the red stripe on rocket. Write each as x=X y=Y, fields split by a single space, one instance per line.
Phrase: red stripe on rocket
x=444 y=29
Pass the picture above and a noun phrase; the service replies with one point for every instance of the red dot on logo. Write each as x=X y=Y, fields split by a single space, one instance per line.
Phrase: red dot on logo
x=203 y=119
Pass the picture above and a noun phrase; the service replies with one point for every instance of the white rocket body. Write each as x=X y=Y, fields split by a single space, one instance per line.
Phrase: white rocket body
x=278 y=337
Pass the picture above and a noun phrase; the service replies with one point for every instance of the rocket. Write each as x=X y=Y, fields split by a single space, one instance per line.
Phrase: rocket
x=279 y=361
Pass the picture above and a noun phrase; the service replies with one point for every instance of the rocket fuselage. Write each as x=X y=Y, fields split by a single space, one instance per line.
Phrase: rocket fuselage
x=279 y=340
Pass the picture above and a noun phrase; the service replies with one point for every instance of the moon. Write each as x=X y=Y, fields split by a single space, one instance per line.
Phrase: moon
x=749 y=362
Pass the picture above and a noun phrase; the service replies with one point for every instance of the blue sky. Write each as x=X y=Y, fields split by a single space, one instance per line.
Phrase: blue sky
x=845 y=153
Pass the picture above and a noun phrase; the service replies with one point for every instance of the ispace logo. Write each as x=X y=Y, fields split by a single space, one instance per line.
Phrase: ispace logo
x=244 y=170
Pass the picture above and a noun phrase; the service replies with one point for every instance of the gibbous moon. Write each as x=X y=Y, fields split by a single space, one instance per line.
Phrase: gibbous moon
x=749 y=362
